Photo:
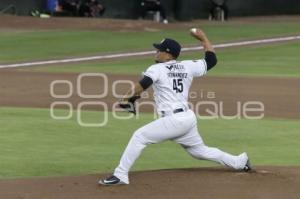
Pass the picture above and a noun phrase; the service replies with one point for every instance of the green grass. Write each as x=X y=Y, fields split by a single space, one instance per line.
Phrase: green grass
x=37 y=45
x=270 y=60
x=33 y=144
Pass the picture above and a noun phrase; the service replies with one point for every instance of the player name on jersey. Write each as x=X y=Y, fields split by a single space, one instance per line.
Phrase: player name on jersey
x=177 y=75
x=174 y=68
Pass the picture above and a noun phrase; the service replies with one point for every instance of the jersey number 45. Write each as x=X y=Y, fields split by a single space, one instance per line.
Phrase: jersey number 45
x=177 y=85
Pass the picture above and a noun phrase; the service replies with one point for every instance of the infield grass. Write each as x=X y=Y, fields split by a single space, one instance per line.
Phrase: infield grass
x=281 y=59
x=33 y=144
x=40 y=45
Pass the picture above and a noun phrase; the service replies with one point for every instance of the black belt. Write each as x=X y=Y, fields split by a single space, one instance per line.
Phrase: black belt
x=175 y=111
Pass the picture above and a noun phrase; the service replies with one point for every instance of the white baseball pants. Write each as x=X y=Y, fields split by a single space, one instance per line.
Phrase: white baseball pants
x=181 y=128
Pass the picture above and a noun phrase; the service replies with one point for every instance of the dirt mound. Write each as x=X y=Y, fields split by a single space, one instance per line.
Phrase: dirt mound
x=204 y=183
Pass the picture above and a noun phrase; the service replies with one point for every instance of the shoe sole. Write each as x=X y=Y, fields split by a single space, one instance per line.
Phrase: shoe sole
x=105 y=184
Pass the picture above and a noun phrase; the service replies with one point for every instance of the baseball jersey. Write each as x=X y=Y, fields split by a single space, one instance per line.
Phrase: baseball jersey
x=172 y=81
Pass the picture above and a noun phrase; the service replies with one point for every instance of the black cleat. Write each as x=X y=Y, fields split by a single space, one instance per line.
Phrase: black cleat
x=112 y=180
x=248 y=167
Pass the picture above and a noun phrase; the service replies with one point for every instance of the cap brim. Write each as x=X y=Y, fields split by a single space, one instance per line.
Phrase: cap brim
x=158 y=47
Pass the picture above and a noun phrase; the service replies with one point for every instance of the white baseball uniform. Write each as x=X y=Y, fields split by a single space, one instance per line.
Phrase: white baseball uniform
x=171 y=83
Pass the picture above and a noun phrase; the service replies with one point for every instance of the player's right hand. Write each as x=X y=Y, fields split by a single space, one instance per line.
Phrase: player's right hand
x=198 y=34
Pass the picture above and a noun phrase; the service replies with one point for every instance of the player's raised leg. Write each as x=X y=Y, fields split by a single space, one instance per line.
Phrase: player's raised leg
x=194 y=145
x=204 y=152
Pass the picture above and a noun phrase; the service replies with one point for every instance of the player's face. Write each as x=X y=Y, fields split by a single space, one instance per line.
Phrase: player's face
x=161 y=57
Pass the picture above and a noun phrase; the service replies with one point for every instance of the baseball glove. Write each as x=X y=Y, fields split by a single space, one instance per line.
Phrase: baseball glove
x=129 y=105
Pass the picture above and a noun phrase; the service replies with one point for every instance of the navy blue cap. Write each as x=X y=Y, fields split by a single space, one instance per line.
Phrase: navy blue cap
x=170 y=46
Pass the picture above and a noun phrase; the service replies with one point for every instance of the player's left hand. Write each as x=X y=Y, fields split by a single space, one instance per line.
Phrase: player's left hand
x=129 y=104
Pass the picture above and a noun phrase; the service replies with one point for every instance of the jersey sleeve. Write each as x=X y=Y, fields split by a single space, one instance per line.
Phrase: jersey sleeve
x=198 y=67
x=152 y=72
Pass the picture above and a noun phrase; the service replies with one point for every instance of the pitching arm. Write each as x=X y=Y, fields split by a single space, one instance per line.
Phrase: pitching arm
x=210 y=54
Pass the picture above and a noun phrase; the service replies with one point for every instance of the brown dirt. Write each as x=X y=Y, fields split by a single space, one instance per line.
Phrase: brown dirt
x=32 y=89
x=204 y=183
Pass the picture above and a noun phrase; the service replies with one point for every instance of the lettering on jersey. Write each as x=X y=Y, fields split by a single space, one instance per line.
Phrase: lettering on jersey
x=175 y=67
x=177 y=75
x=169 y=67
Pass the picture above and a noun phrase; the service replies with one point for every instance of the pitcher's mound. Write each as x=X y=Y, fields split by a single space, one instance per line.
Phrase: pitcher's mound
x=200 y=183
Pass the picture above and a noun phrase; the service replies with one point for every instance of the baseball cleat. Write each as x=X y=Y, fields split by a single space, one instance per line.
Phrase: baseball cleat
x=112 y=180
x=248 y=167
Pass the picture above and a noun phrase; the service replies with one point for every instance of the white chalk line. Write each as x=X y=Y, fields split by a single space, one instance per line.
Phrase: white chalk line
x=80 y=59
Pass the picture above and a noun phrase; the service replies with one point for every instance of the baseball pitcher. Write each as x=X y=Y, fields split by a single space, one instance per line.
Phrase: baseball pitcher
x=171 y=81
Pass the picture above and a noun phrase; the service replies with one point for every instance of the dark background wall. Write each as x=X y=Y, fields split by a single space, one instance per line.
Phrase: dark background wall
x=23 y=7
x=178 y=9
x=190 y=9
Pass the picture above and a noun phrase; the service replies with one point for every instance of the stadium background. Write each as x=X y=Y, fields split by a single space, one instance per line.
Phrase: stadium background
x=178 y=9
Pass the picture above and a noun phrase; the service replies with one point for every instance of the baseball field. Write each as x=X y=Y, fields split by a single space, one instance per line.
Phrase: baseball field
x=49 y=148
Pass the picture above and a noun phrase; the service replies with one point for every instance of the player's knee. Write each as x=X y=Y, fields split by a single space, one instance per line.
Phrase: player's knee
x=204 y=152
x=197 y=151
x=138 y=135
